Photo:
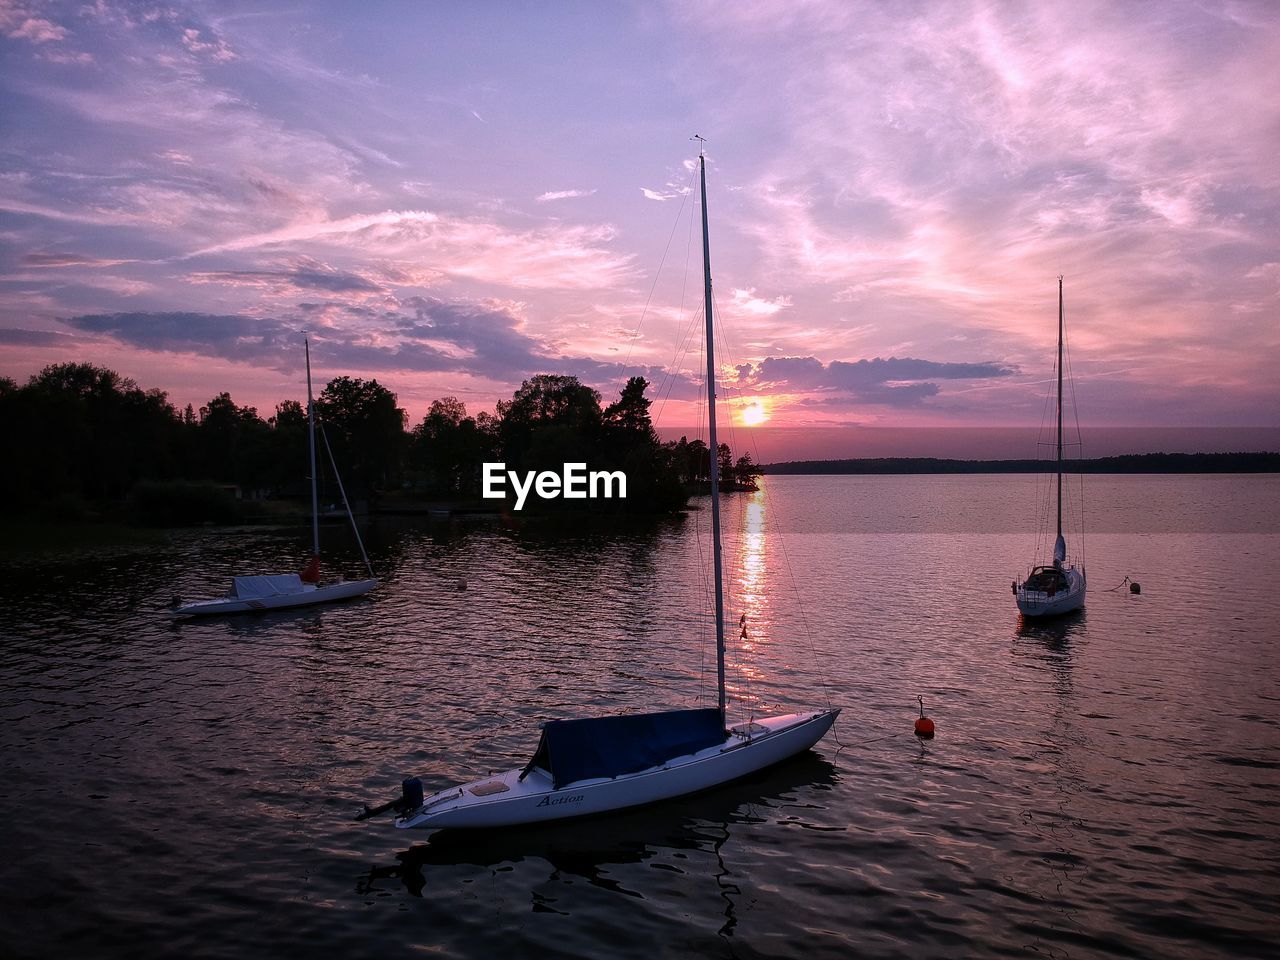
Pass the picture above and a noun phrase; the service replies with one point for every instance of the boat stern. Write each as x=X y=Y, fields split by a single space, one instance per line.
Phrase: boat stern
x=432 y=808
x=1053 y=599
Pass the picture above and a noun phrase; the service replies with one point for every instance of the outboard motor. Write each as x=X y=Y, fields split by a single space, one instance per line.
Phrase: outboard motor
x=410 y=795
x=410 y=799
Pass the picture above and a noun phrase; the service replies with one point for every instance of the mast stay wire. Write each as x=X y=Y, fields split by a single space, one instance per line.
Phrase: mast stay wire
x=684 y=343
x=684 y=197
x=1075 y=412
x=771 y=503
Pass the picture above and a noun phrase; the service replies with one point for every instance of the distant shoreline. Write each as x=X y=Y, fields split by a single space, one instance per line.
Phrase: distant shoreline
x=1130 y=463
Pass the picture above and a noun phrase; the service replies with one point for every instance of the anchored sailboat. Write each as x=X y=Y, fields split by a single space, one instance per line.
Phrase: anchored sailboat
x=1057 y=587
x=281 y=591
x=599 y=764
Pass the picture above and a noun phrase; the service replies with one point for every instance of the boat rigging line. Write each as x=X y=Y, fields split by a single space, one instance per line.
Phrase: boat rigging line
x=342 y=490
x=1134 y=586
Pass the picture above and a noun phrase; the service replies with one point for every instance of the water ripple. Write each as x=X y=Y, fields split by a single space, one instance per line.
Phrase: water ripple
x=1101 y=786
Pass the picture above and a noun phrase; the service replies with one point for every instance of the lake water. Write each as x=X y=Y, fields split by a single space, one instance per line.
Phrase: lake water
x=1104 y=785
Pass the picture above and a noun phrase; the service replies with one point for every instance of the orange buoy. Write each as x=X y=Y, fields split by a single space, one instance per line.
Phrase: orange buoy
x=924 y=726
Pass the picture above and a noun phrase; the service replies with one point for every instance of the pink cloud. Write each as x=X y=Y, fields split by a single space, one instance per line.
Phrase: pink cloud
x=38 y=31
x=215 y=49
x=68 y=260
x=564 y=195
x=553 y=256
x=746 y=302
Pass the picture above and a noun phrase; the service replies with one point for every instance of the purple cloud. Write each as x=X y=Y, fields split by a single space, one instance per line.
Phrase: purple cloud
x=300 y=278
x=67 y=260
x=895 y=381
x=34 y=338
x=473 y=339
x=230 y=337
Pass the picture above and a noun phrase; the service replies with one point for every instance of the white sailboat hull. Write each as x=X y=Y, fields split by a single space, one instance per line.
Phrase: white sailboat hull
x=507 y=800
x=309 y=595
x=1039 y=603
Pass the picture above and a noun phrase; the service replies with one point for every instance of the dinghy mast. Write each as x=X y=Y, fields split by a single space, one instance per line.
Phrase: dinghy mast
x=715 y=447
x=311 y=432
x=1059 y=540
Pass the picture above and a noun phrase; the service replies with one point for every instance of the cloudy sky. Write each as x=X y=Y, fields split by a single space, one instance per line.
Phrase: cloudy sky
x=451 y=197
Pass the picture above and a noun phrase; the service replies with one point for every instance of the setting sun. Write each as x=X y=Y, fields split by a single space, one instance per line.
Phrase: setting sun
x=754 y=414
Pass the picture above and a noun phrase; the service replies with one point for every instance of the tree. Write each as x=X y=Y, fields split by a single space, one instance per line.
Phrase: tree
x=366 y=431
x=445 y=413
x=724 y=462
x=289 y=415
x=628 y=416
x=549 y=421
x=83 y=431
x=447 y=447
x=79 y=433
x=745 y=471
x=290 y=463
x=234 y=443
x=152 y=440
x=552 y=398
x=693 y=460
x=81 y=380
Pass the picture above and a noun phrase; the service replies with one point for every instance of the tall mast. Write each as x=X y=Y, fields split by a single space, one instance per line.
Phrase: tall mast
x=1059 y=408
x=715 y=447
x=311 y=432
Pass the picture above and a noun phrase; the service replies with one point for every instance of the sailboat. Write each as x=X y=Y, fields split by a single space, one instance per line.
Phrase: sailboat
x=595 y=765
x=280 y=591
x=1057 y=587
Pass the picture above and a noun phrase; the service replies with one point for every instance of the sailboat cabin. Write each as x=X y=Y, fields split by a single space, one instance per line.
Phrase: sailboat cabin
x=1048 y=580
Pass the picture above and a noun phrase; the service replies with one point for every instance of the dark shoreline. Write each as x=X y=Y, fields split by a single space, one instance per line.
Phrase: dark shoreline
x=1129 y=463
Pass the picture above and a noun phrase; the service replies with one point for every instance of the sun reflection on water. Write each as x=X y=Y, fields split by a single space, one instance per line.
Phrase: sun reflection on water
x=750 y=601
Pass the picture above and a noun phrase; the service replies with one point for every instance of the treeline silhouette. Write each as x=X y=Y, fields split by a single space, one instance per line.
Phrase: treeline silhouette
x=81 y=438
x=1128 y=463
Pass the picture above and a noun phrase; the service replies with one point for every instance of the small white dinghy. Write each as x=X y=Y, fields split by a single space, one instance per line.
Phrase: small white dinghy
x=280 y=591
x=274 y=592
x=597 y=765
x=1056 y=588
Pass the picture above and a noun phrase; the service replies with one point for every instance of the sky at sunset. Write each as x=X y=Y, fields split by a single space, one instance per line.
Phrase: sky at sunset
x=452 y=197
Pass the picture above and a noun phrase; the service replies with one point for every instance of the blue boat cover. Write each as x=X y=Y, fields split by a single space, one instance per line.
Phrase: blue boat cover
x=275 y=585
x=573 y=750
